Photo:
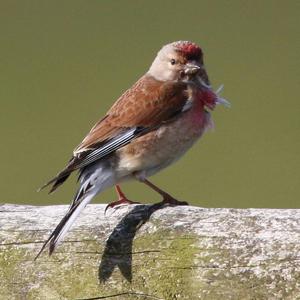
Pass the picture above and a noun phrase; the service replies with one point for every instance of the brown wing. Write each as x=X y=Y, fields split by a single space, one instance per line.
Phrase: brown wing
x=148 y=103
x=144 y=107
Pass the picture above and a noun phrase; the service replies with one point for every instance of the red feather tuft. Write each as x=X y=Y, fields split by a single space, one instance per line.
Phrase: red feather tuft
x=208 y=98
x=191 y=50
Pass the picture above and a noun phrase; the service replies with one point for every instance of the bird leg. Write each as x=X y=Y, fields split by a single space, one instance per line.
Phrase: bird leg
x=167 y=198
x=122 y=199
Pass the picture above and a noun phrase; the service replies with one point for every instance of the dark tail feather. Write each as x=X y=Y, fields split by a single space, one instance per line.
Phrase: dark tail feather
x=79 y=203
x=62 y=176
x=56 y=181
x=59 y=181
x=44 y=245
x=51 y=239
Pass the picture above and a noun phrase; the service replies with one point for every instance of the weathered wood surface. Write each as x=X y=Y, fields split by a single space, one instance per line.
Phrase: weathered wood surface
x=141 y=252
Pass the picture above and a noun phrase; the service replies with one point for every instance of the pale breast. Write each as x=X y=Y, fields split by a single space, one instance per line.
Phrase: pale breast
x=160 y=148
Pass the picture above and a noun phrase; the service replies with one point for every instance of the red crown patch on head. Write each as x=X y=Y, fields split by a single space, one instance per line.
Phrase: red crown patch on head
x=191 y=50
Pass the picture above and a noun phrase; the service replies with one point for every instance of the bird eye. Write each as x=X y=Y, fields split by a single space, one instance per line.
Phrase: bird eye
x=173 y=61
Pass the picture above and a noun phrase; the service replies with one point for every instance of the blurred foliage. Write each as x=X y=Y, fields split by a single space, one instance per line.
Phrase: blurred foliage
x=63 y=63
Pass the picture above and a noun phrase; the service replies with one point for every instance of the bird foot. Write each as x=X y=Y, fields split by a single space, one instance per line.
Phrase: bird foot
x=118 y=203
x=172 y=201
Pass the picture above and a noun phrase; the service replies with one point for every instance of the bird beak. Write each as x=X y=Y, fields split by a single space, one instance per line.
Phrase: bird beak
x=191 y=69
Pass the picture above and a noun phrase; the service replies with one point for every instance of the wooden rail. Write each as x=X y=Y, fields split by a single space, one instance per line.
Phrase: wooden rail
x=149 y=252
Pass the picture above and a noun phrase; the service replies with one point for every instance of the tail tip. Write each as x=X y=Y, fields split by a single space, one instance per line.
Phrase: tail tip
x=40 y=188
x=52 y=247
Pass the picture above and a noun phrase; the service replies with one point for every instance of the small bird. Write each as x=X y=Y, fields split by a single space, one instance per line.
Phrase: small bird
x=148 y=128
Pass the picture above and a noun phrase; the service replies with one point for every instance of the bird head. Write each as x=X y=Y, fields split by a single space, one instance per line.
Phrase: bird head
x=180 y=60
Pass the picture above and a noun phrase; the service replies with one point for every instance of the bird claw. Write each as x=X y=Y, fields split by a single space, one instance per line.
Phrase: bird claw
x=172 y=201
x=117 y=204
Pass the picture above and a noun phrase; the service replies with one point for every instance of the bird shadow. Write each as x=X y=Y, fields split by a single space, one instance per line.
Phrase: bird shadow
x=118 y=247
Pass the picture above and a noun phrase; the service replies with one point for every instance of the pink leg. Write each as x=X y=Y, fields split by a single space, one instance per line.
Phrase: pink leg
x=122 y=199
x=167 y=198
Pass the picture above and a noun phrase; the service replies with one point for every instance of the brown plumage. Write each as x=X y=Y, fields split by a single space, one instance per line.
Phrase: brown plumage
x=148 y=104
x=148 y=128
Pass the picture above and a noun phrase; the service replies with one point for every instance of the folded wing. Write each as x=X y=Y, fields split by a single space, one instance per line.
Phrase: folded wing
x=141 y=109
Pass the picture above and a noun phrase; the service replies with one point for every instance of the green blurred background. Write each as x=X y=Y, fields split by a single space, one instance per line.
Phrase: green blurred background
x=63 y=63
